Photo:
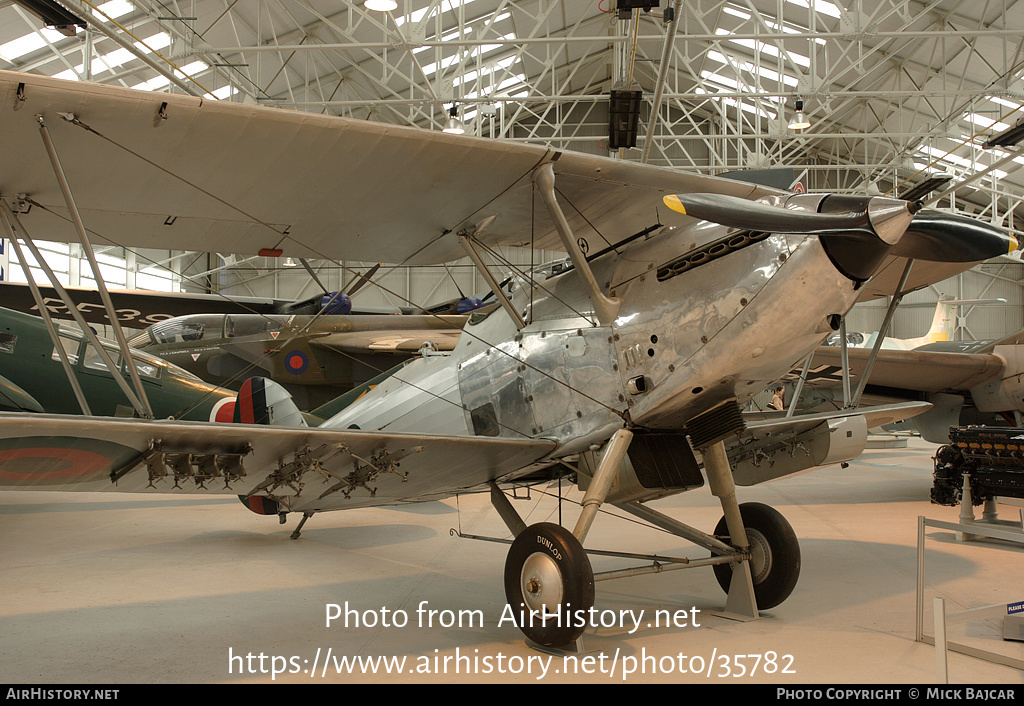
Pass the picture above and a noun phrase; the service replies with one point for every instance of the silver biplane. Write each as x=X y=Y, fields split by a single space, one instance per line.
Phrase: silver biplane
x=624 y=368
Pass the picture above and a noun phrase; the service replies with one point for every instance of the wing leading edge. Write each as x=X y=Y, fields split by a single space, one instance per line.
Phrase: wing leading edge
x=303 y=469
x=184 y=173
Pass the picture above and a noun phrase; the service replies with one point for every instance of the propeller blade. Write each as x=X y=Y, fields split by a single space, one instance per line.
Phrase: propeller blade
x=945 y=237
x=734 y=212
x=313 y=275
x=363 y=279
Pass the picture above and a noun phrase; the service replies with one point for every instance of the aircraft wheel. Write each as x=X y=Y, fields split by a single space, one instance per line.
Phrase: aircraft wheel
x=548 y=573
x=775 y=554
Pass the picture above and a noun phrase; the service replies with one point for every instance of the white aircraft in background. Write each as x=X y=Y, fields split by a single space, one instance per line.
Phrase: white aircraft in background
x=965 y=382
x=941 y=330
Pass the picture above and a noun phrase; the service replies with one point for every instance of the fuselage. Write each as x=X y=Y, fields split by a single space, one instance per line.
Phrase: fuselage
x=228 y=349
x=706 y=314
x=29 y=359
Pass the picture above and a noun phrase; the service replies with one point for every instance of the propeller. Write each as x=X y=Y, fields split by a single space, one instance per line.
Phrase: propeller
x=930 y=235
x=846 y=214
x=340 y=303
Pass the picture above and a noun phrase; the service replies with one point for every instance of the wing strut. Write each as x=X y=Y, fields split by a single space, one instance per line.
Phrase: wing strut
x=141 y=403
x=8 y=215
x=605 y=307
x=896 y=299
x=14 y=224
x=800 y=385
x=467 y=245
x=844 y=357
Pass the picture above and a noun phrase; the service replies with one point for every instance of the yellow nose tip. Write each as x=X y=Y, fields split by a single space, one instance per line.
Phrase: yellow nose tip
x=673 y=202
x=1014 y=243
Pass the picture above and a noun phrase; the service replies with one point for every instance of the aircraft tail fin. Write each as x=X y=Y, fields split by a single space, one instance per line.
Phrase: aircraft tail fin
x=263 y=401
x=945 y=320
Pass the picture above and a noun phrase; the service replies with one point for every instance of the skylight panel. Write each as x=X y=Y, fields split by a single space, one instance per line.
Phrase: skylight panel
x=117 y=57
x=1004 y=102
x=769 y=49
x=116 y=8
x=474 y=74
x=742 y=105
x=750 y=68
x=788 y=28
x=820 y=6
x=455 y=58
x=154 y=84
x=722 y=81
x=224 y=93
x=513 y=80
x=1003 y=154
x=196 y=67
x=155 y=43
x=958 y=161
x=29 y=43
x=418 y=15
x=986 y=123
x=158 y=83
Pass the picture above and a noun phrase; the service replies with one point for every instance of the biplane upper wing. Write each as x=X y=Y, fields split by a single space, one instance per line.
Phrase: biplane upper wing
x=301 y=469
x=180 y=172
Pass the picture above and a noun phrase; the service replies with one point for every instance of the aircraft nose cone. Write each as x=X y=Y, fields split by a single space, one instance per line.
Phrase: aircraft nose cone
x=878 y=216
x=890 y=218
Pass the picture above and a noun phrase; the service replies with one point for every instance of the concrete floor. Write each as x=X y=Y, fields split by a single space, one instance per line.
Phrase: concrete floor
x=107 y=588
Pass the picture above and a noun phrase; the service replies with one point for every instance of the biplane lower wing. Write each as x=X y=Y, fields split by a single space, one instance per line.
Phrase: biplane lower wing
x=300 y=469
x=781 y=446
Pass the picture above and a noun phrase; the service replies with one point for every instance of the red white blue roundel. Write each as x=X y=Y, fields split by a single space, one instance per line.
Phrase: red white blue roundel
x=296 y=362
x=56 y=460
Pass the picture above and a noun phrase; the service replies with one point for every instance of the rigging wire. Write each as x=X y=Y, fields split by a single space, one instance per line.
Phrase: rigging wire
x=285 y=235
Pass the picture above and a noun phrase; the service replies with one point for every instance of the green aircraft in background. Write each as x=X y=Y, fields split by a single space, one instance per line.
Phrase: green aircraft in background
x=33 y=379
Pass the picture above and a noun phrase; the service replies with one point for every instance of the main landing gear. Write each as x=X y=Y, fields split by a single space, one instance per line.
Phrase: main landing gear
x=548 y=574
x=774 y=555
x=549 y=582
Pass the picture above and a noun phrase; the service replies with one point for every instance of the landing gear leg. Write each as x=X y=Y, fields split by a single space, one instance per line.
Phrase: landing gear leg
x=770 y=573
x=298 y=528
x=548 y=577
x=740 y=602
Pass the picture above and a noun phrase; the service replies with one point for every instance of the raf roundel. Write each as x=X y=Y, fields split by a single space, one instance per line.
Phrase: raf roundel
x=296 y=362
x=54 y=461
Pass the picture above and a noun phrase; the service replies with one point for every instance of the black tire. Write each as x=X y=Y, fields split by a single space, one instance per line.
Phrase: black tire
x=546 y=568
x=775 y=564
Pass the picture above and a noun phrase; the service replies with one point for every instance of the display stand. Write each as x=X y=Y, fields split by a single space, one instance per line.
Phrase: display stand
x=942 y=645
x=989 y=516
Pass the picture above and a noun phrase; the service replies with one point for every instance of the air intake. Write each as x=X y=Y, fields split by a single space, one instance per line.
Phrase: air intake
x=717 y=423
